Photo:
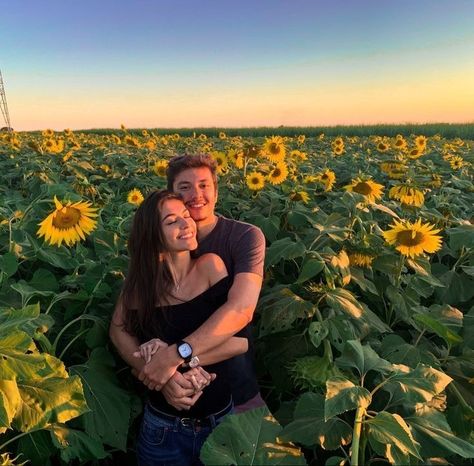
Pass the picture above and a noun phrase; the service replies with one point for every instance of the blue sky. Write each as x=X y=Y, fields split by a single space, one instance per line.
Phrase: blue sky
x=220 y=63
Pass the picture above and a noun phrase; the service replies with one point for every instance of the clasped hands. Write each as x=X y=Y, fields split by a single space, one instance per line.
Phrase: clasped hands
x=159 y=373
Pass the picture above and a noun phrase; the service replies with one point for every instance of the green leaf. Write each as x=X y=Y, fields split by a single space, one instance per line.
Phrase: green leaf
x=75 y=444
x=8 y=264
x=27 y=319
x=462 y=236
x=50 y=400
x=269 y=225
x=312 y=372
x=358 y=277
x=311 y=267
x=433 y=325
x=285 y=248
x=433 y=432
x=341 y=329
x=344 y=301
x=37 y=447
x=362 y=358
x=10 y=400
x=417 y=386
x=310 y=428
x=396 y=350
x=44 y=280
x=342 y=395
x=280 y=308
x=16 y=363
x=317 y=332
x=249 y=439
x=392 y=432
x=109 y=417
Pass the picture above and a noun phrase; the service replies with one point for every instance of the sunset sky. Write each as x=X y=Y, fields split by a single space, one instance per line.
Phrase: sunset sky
x=189 y=63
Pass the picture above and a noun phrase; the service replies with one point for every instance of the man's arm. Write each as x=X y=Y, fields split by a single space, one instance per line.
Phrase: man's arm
x=227 y=320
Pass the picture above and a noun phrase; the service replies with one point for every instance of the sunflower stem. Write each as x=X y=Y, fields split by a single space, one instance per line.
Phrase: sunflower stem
x=356 y=435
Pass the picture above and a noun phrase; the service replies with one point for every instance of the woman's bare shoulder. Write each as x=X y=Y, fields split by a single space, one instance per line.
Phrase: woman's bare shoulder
x=212 y=266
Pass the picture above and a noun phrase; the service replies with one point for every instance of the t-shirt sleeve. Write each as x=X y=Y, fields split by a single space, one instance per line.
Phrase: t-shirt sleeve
x=249 y=252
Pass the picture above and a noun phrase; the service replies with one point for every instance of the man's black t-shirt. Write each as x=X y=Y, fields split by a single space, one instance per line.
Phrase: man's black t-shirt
x=242 y=248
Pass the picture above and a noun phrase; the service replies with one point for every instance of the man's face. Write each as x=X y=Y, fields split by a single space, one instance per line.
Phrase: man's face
x=199 y=193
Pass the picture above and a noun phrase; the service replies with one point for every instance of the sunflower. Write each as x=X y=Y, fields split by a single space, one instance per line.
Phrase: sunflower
x=400 y=142
x=338 y=141
x=415 y=153
x=407 y=195
x=413 y=239
x=436 y=181
x=251 y=151
x=160 y=167
x=369 y=189
x=115 y=139
x=300 y=196
x=456 y=162
x=382 y=146
x=47 y=133
x=70 y=223
x=360 y=259
x=420 y=142
x=150 y=144
x=278 y=174
x=301 y=139
x=236 y=157
x=221 y=161
x=338 y=150
x=274 y=149
x=135 y=197
x=222 y=135
x=131 y=141
x=105 y=168
x=327 y=178
x=255 y=181
x=298 y=155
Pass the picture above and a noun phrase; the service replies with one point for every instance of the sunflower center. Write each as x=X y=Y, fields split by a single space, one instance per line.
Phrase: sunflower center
x=276 y=173
x=67 y=217
x=255 y=180
x=362 y=188
x=406 y=238
x=274 y=148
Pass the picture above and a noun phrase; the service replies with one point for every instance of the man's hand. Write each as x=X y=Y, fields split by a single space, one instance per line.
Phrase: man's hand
x=161 y=368
x=183 y=390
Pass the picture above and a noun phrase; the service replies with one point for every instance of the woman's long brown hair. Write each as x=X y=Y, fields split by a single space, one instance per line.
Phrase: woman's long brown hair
x=149 y=279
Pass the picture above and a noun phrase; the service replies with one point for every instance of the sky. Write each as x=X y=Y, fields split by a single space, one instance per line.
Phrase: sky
x=220 y=63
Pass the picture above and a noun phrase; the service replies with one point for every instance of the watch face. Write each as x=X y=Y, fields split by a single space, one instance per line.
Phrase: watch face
x=185 y=350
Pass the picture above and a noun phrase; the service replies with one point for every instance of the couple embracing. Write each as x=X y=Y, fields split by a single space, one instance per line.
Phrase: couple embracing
x=183 y=318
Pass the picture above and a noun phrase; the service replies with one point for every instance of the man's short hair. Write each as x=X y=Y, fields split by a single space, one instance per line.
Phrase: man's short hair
x=180 y=163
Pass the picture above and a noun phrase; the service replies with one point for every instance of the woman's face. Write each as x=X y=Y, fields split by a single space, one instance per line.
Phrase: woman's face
x=179 y=229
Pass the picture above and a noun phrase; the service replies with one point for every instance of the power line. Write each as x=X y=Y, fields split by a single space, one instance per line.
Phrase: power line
x=3 y=104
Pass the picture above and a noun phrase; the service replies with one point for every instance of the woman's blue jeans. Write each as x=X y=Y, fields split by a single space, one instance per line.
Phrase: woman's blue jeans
x=171 y=442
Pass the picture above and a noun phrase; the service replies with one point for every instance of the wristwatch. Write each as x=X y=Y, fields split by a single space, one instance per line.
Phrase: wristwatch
x=185 y=351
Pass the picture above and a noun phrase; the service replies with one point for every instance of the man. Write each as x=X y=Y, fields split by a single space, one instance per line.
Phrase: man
x=242 y=248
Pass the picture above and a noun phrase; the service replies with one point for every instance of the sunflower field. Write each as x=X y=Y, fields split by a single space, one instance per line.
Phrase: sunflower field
x=364 y=331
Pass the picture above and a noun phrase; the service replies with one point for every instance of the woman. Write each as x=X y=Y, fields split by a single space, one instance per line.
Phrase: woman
x=167 y=295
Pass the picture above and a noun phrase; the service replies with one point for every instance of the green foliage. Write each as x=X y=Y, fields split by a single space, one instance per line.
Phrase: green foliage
x=359 y=360
x=251 y=438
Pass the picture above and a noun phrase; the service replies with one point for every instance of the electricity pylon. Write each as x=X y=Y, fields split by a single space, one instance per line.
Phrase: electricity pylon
x=3 y=104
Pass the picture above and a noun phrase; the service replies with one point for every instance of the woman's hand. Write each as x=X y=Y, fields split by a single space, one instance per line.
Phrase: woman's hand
x=149 y=348
x=183 y=390
x=199 y=378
